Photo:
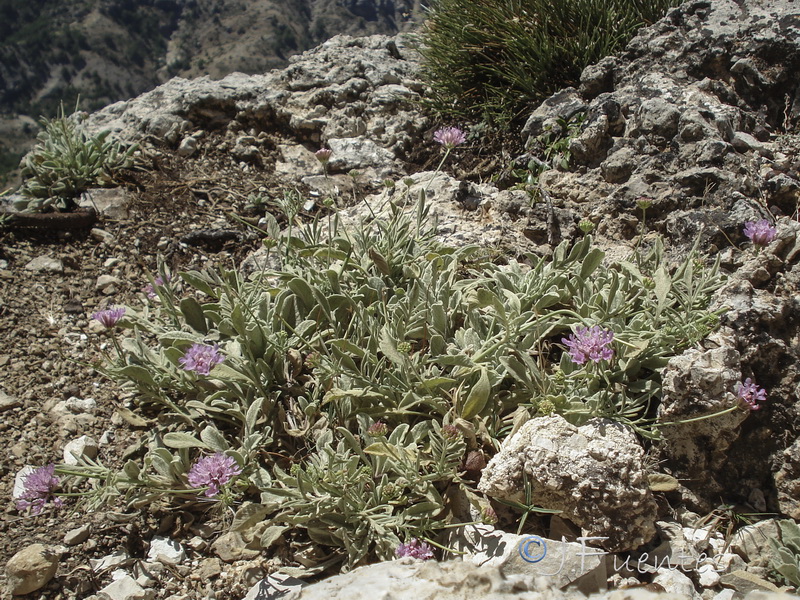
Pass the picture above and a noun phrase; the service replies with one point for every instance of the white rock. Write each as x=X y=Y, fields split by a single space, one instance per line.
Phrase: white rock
x=274 y=587
x=109 y=202
x=564 y=463
x=109 y=561
x=166 y=551
x=675 y=582
x=82 y=447
x=107 y=284
x=707 y=575
x=46 y=264
x=725 y=595
x=561 y=563
x=125 y=588
x=19 y=481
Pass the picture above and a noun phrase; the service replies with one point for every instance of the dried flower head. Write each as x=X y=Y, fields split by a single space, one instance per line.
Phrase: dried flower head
x=213 y=472
x=415 y=549
x=38 y=490
x=449 y=137
x=109 y=316
x=451 y=433
x=378 y=429
x=750 y=394
x=489 y=516
x=201 y=358
x=323 y=155
x=761 y=233
x=590 y=343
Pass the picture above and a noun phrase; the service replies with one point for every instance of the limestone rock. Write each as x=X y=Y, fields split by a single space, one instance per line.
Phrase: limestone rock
x=125 y=588
x=166 y=551
x=8 y=401
x=31 y=568
x=563 y=563
x=82 y=447
x=408 y=578
x=112 y=203
x=46 y=264
x=593 y=474
x=698 y=383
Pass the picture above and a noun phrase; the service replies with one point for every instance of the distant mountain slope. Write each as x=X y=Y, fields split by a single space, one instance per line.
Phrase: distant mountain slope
x=101 y=51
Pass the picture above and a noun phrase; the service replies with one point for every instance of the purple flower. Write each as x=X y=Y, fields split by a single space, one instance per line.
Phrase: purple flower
x=201 y=358
x=750 y=394
x=38 y=490
x=415 y=549
x=449 y=137
x=150 y=290
x=109 y=316
x=323 y=155
x=213 y=472
x=761 y=233
x=592 y=343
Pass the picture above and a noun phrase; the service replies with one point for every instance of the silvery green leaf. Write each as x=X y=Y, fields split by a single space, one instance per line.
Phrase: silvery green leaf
x=388 y=347
x=271 y=535
x=180 y=439
x=137 y=373
x=477 y=397
x=252 y=415
x=132 y=470
x=198 y=281
x=591 y=262
x=663 y=285
x=193 y=313
x=302 y=290
x=379 y=261
x=213 y=439
x=249 y=515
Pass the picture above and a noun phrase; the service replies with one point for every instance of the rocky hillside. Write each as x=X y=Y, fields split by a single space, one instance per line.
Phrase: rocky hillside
x=102 y=51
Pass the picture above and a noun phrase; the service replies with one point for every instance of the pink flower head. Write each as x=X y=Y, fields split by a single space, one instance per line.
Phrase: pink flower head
x=213 y=472
x=750 y=394
x=761 y=233
x=109 y=316
x=323 y=155
x=201 y=358
x=150 y=290
x=590 y=343
x=415 y=549
x=38 y=490
x=449 y=137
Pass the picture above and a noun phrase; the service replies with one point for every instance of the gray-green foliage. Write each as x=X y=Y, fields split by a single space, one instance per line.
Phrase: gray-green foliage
x=786 y=558
x=67 y=161
x=495 y=58
x=380 y=322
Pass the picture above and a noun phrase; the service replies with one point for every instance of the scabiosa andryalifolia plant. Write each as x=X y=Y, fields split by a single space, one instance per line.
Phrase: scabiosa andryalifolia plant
x=449 y=137
x=201 y=358
x=378 y=325
x=760 y=232
x=750 y=395
x=496 y=58
x=590 y=344
x=213 y=472
x=109 y=317
x=38 y=490
x=415 y=549
x=67 y=161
